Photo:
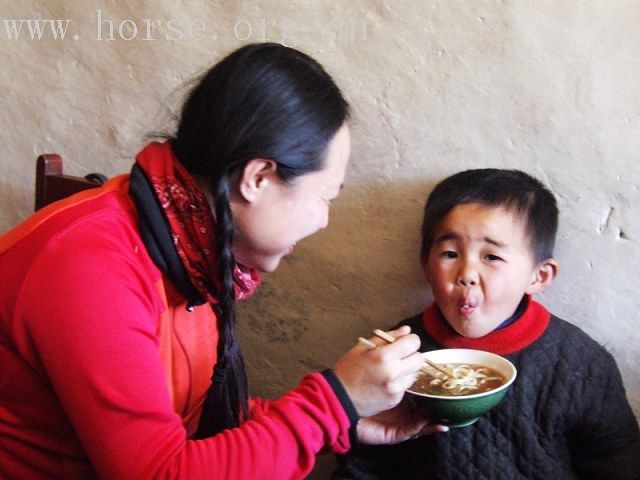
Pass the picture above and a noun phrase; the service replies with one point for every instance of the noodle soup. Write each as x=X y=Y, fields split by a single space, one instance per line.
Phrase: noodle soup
x=468 y=379
x=481 y=380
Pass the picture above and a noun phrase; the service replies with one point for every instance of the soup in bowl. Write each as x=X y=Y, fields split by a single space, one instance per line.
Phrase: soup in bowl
x=480 y=380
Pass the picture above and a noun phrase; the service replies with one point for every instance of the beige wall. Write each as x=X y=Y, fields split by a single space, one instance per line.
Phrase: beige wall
x=550 y=87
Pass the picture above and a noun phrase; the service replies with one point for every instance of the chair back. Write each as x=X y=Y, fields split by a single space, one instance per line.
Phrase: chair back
x=53 y=185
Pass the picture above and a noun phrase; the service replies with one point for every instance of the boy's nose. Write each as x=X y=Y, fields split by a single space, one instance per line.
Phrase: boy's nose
x=467 y=282
x=468 y=277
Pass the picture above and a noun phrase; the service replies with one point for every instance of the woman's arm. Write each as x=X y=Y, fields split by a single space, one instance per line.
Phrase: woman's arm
x=93 y=328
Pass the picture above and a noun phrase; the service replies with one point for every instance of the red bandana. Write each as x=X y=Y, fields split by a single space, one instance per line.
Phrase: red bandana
x=510 y=339
x=191 y=222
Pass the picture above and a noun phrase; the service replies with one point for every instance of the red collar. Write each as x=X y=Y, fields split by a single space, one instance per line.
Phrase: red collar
x=512 y=338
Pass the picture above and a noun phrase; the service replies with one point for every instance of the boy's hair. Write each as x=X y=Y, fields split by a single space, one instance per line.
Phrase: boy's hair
x=527 y=197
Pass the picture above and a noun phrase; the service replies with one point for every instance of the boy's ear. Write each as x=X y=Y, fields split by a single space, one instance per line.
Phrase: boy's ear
x=543 y=276
x=257 y=174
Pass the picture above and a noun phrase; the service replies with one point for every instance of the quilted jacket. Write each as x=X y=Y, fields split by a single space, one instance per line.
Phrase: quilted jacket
x=565 y=417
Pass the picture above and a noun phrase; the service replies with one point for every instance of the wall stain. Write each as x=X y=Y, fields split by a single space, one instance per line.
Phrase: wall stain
x=277 y=330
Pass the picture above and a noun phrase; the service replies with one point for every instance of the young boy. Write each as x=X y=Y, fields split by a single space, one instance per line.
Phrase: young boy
x=488 y=238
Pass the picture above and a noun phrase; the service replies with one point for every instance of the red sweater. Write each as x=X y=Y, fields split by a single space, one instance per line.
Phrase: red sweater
x=103 y=371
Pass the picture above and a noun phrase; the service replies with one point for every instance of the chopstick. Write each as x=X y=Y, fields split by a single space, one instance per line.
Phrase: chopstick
x=367 y=343
x=385 y=336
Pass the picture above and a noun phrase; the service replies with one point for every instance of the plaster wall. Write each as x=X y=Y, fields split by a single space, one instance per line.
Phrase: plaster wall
x=549 y=87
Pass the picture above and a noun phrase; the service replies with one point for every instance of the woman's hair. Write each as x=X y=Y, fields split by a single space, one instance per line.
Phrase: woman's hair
x=262 y=101
x=512 y=189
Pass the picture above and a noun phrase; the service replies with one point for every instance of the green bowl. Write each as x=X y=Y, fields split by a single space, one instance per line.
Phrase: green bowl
x=463 y=410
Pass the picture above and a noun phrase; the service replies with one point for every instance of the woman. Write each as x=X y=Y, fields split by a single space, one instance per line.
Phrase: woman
x=117 y=302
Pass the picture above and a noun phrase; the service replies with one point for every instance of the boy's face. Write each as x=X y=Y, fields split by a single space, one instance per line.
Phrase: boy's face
x=480 y=265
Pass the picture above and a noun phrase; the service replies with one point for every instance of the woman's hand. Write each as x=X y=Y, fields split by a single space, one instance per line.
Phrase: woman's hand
x=376 y=379
x=396 y=425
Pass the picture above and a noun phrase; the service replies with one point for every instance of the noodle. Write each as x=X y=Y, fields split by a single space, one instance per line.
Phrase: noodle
x=466 y=380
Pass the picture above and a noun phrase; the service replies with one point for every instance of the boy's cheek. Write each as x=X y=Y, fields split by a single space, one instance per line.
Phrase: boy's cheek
x=436 y=273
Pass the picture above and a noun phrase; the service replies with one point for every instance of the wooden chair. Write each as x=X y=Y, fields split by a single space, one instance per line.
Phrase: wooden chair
x=52 y=184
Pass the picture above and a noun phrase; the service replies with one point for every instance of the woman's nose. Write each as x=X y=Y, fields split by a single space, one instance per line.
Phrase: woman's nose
x=325 y=220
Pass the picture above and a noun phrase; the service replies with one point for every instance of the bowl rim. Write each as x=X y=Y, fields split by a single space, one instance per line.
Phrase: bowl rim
x=500 y=358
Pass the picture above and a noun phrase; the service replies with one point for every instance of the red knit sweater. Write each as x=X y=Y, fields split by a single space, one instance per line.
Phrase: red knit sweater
x=103 y=371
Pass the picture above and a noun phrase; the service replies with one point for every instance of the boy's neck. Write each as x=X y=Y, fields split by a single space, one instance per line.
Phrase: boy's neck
x=516 y=315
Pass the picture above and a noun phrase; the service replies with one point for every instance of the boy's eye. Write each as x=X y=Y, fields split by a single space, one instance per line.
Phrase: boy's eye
x=493 y=258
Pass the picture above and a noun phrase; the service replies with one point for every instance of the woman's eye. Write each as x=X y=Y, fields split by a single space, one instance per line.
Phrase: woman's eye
x=449 y=254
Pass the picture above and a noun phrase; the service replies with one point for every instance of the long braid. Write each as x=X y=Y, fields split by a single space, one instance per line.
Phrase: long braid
x=261 y=101
x=226 y=402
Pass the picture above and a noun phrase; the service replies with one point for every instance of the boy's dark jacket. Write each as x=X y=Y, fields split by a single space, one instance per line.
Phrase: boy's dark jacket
x=565 y=417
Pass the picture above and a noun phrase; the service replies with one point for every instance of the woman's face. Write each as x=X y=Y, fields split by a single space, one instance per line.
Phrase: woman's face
x=271 y=216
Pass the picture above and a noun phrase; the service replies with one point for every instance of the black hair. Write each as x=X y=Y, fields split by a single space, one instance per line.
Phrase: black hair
x=261 y=101
x=512 y=189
